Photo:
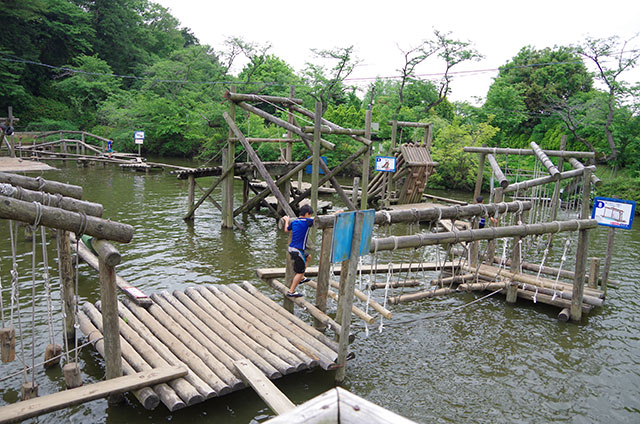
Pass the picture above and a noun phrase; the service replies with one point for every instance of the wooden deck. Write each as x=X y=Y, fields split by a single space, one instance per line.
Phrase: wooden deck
x=206 y=329
x=8 y=164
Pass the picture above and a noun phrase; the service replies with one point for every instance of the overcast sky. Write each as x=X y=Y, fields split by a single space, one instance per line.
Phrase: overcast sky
x=498 y=29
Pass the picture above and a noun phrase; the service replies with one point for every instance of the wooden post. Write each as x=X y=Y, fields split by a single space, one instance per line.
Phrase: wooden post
x=228 y=163
x=495 y=168
x=109 y=300
x=364 y=197
x=345 y=302
x=581 y=251
x=476 y=193
x=556 y=190
x=354 y=191
x=594 y=272
x=512 y=288
x=491 y=248
x=324 y=269
x=392 y=148
x=68 y=288
x=315 y=164
x=8 y=344
x=607 y=260
x=288 y=150
x=192 y=194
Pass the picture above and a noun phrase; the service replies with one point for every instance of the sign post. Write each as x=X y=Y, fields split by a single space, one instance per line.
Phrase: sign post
x=138 y=136
x=612 y=213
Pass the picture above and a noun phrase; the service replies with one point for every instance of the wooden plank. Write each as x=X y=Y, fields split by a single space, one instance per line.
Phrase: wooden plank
x=312 y=271
x=42 y=405
x=268 y=391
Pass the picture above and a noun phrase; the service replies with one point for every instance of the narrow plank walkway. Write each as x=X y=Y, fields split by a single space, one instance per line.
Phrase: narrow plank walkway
x=207 y=329
x=23 y=165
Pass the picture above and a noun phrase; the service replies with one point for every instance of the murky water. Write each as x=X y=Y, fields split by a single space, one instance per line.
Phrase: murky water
x=435 y=361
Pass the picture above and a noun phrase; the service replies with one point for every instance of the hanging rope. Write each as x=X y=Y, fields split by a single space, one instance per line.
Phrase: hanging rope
x=34 y=229
x=59 y=242
x=76 y=325
x=47 y=284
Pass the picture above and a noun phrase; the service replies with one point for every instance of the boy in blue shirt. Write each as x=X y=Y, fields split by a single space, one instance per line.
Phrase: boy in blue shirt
x=297 y=248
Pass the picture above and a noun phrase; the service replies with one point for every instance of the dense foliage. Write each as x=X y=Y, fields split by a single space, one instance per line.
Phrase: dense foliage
x=114 y=66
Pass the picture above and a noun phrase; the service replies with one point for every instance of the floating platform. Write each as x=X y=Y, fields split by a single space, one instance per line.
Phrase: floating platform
x=206 y=329
x=8 y=164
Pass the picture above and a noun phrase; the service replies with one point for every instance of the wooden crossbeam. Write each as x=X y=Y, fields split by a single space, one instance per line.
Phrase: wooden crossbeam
x=274 y=398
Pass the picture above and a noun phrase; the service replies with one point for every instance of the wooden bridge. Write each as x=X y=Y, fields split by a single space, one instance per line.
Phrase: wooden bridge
x=207 y=329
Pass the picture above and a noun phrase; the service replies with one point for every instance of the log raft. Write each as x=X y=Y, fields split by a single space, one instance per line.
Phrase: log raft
x=206 y=330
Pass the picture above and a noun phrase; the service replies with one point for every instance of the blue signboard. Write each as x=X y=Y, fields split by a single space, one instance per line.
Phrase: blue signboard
x=385 y=164
x=309 y=168
x=343 y=235
x=615 y=213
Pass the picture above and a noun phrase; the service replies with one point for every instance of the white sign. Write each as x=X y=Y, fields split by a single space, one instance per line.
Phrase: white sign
x=385 y=163
x=138 y=134
x=613 y=212
x=139 y=140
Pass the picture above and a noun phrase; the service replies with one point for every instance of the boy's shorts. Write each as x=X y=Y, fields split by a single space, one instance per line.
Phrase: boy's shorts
x=299 y=264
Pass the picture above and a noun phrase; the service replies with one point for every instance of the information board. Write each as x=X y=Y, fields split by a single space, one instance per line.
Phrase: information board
x=385 y=164
x=615 y=213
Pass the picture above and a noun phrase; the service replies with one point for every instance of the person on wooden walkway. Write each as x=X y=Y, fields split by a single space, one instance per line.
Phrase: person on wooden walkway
x=297 y=248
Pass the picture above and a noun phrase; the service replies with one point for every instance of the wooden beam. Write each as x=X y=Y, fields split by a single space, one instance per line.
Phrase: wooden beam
x=527 y=152
x=268 y=391
x=545 y=180
x=215 y=184
x=542 y=157
x=502 y=180
x=41 y=184
x=34 y=407
x=239 y=97
x=259 y=165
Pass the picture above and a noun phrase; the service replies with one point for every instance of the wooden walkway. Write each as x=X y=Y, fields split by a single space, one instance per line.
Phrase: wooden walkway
x=206 y=329
x=8 y=164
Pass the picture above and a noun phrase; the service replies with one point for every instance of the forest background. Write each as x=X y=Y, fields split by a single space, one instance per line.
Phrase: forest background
x=110 y=67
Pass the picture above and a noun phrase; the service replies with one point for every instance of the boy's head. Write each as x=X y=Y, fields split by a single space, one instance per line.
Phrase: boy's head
x=304 y=211
x=479 y=199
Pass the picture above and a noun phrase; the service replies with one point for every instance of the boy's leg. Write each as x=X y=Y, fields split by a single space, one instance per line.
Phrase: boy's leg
x=296 y=280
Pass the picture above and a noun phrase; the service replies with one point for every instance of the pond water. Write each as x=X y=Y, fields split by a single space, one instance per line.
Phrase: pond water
x=434 y=361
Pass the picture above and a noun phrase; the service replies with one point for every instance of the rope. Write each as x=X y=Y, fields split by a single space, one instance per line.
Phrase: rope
x=62 y=298
x=47 y=284
x=386 y=294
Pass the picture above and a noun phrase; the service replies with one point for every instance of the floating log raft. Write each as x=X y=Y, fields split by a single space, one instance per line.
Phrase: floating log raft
x=206 y=330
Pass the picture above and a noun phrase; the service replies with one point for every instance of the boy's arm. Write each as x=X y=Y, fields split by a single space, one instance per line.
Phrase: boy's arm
x=285 y=220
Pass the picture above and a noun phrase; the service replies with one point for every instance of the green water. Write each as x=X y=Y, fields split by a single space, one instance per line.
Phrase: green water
x=487 y=362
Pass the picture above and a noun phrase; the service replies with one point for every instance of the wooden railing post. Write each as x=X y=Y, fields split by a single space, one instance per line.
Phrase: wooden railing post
x=228 y=163
x=324 y=270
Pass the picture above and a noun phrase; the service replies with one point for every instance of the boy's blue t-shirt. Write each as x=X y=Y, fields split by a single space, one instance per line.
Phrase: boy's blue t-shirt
x=299 y=232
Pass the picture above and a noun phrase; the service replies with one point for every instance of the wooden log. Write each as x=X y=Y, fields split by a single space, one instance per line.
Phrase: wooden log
x=8 y=344
x=546 y=299
x=281 y=365
x=106 y=252
x=72 y=375
x=594 y=272
x=218 y=334
x=394 y=300
x=502 y=180
x=259 y=165
x=111 y=331
x=544 y=159
x=564 y=315
x=257 y=331
x=325 y=129
x=433 y=214
x=268 y=391
x=20 y=210
x=362 y=296
x=197 y=334
x=149 y=330
x=236 y=310
x=578 y=165
x=419 y=240
x=40 y=184
x=52 y=355
x=228 y=162
x=315 y=312
x=582 y=251
x=481 y=286
x=284 y=124
x=208 y=367
x=395 y=284
x=240 y=97
x=315 y=164
x=354 y=309
x=217 y=205
x=285 y=316
x=324 y=269
x=525 y=152
x=303 y=341
x=331 y=125
x=146 y=396
x=22 y=410
x=607 y=259
x=66 y=203
x=28 y=391
x=269 y=140
x=366 y=159
x=544 y=180
x=215 y=184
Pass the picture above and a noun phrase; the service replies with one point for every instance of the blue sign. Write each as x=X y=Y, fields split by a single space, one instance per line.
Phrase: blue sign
x=343 y=235
x=309 y=168
x=615 y=213
x=385 y=164
x=138 y=134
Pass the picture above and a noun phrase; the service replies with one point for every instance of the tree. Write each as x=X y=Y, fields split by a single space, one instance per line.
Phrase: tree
x=602 y=52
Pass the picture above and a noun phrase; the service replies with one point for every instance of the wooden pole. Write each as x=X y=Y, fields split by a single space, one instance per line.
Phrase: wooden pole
x=542 y=157
x=388 y=176
x=556 y=190
x=354 y=191
x=495 y=168
x=578 y=165
x=345 y=302
x=315 y=164
x=259 y=165
x=512 y=287
x=364 y=197
x=607 y=260
x=476 y=193
x=524 y=152
x=581 y=251
x=228 y=163
x=66 y=203
x=324 y=270
x=288 y=150
x=40 y=184
x=109 y=300
x=594 y=272
x=545 y=180
x=67 y=283
x=191 y=198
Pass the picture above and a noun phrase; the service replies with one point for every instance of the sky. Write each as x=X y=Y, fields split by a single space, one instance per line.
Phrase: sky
x=381 y=30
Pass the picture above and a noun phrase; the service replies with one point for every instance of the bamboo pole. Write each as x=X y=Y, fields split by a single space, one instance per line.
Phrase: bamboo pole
x=524 y=152
x=40 y=184
x=345 y=303
x=61 y=219
x=495 y=168
x=218 y=334
x=544 y=159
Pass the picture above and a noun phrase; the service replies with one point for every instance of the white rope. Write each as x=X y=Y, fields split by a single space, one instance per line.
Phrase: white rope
x=47 y=283
x=386 y=294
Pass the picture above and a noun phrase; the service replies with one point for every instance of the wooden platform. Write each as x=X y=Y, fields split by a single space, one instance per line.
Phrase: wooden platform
x=208 y=328
x=8 y=164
